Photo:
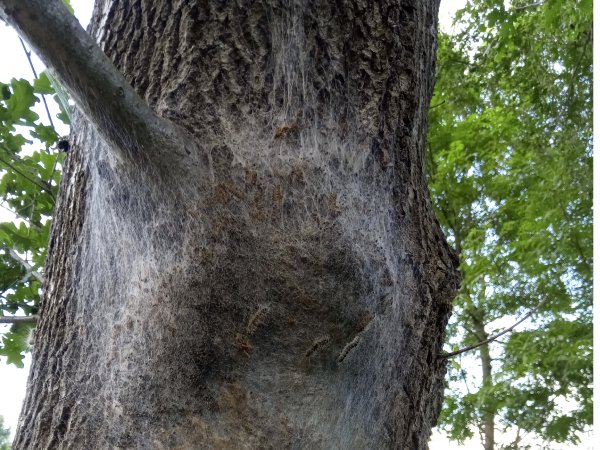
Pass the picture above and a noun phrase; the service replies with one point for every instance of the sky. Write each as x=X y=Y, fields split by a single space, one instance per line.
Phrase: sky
x=12 y=379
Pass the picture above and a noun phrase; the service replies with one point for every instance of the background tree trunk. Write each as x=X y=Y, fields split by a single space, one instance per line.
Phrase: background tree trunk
x=487 y=425
x=288 y=291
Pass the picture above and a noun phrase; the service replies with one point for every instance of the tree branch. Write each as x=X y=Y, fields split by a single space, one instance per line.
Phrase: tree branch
x=19 y=319
x=576 y=70
x=14 y=255
x=37 y=226
x=92 y=80
x=40 y=184
x=531 y=5
x=495 y=336
x=28 y=56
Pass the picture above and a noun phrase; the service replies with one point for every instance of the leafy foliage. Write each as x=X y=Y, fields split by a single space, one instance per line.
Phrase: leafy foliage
x=29 y=175
x=510 y=174
x=510 y=166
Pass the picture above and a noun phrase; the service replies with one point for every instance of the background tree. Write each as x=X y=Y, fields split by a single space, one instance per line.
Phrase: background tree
x=247 y=256
x=511 y=177
x=4 y=436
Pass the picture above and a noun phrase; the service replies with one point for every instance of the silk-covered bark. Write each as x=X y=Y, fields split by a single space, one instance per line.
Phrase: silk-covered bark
x=282 y=282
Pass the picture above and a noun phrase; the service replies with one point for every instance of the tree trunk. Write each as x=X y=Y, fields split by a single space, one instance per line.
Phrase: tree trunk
x=287 y=286
x=487 y=424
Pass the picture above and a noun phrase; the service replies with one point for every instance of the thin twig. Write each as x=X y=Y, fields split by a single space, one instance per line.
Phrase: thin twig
x=439 y=104
x=19 y=319
x=577 y=66
x=37 y=183
x=20 y=216
x=28 y=267
x=494 y=337
x=28 y=54
x=531 y=5
x=21 y=305
x=53 y=168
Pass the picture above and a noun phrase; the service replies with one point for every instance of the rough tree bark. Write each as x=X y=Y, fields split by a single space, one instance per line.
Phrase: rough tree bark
x=252 y=261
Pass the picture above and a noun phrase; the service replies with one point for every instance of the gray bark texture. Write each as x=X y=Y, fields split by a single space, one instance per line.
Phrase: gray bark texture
x=286 y=285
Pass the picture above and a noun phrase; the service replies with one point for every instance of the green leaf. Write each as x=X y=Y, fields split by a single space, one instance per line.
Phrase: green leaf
x=45 y=133
x=14 y=345
x=6 y=93
x=20 y=102
x=41 y=85
x=586 y=7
